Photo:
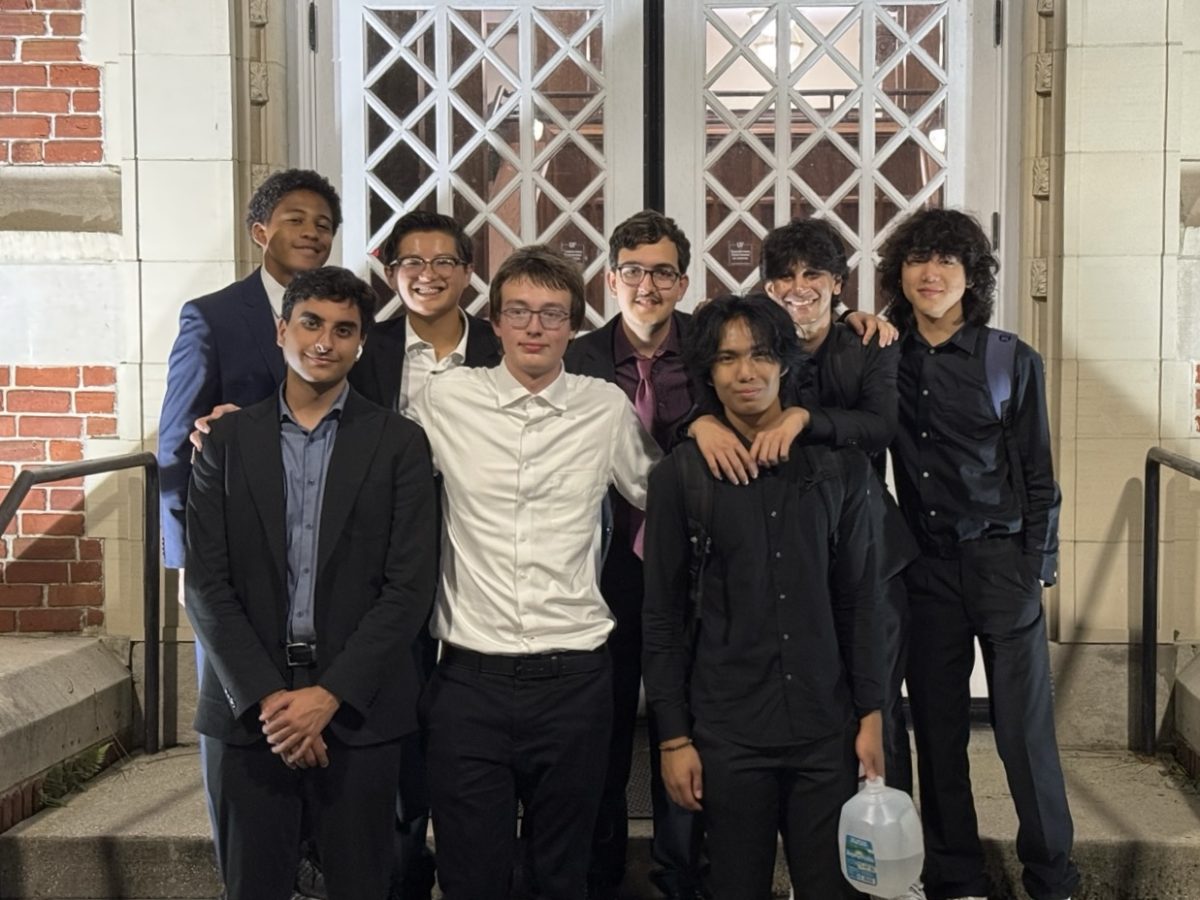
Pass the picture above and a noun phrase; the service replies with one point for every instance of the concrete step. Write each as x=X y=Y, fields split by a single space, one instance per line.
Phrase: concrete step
x=140 y=831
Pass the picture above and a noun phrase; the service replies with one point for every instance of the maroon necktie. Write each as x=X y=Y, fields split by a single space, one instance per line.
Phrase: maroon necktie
x=643 y=405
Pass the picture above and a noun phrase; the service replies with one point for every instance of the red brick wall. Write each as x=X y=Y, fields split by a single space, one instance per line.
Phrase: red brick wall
x=49 y=98
x=51 y=576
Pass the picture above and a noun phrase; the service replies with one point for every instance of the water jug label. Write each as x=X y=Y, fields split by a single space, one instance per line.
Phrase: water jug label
x=860 y=861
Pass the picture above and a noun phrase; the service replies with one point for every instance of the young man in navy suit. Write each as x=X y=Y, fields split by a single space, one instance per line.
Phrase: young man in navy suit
x=311 y=556
x=225 y=352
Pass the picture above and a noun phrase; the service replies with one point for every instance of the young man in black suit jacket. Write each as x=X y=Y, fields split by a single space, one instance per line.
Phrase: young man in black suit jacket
x=428 y=259
x=640 y=351
x=311 y=533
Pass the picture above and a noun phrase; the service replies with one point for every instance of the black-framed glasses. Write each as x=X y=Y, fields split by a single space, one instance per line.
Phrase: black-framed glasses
x=415 y=265
x=552 y=318
x=662 y=276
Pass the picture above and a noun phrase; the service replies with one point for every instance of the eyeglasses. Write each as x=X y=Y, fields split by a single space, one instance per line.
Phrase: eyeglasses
x=551 y=318
x=662 y=276
x=415 y=265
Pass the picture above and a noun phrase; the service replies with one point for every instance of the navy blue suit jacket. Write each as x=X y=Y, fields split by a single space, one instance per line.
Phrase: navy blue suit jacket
x=225 y=353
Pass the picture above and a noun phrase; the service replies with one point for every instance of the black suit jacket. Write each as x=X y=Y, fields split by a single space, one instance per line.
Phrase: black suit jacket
x=225 y=353
x=378 y=374
x=375 y=571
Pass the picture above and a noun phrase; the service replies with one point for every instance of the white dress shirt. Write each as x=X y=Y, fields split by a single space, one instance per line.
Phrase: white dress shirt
x=421 y=362
x=275 y=292
x=524 y=476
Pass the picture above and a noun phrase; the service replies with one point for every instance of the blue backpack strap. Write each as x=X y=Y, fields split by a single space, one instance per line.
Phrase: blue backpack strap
x=999 y=359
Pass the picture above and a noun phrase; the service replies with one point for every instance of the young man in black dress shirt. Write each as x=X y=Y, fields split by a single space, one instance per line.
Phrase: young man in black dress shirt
x=976 y=486
x=766 y=687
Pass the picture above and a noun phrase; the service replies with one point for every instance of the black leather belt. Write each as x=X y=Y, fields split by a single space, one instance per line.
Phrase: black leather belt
x=300 y=655
x=527 y=666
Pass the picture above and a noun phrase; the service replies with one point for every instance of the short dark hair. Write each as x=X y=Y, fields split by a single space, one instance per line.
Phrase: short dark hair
x=423 y=220
x=279 y=184
x=545 y=267
x=770 y=326
x=814 y=242
x=330 y=283
x=649 y=227
x=945 y=232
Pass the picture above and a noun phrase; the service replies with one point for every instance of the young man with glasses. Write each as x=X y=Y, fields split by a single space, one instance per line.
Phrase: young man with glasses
x=428 y=261
x=520 y=706
x=639 y=350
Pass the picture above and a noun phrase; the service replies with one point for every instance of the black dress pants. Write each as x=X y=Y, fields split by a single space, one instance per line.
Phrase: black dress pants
x=539 y=734
x=259 y=803
x=990 y=593
x=675 y=849
x=751 y=795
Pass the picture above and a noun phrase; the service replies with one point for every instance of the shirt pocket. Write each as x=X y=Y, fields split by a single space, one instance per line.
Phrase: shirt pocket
x=571 y=500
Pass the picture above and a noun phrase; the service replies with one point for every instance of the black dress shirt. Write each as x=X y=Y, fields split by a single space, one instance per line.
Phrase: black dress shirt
x=953 y=472
x=785 y=651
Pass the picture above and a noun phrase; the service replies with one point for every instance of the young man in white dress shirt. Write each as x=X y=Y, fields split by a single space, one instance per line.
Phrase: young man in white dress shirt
x=520 y=706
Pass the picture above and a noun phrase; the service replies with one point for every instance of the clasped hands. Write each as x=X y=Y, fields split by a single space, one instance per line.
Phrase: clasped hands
x=293 y=722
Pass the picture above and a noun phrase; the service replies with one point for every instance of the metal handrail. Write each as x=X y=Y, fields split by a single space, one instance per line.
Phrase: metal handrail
x=35 y=475
x=1156 y=458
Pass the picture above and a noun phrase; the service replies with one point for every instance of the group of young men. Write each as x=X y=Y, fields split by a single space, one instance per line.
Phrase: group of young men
x=431 y=561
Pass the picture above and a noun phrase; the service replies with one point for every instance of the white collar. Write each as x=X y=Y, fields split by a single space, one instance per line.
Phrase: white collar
x=413 y=340
x=275 y=292
x=510 y=391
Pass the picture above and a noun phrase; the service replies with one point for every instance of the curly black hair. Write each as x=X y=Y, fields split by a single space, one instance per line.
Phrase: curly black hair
x=813 y=242
x=423 y=220
x=330 y=283
x=648 y=227
x=279 y=184
x=944 y=232
x=770 y=326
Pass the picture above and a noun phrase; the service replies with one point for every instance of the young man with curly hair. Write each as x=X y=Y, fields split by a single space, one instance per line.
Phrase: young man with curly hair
x=976 y=485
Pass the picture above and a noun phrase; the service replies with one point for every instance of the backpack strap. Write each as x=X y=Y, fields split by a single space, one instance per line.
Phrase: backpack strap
x=999 y=362
x=697 y=484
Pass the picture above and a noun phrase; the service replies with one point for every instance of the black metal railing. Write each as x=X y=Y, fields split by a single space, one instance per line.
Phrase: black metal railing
x=1156 y=458
x=35 y=475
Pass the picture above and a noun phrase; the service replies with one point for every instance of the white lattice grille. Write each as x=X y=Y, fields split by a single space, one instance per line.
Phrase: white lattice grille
x=837 y=110
x=494 y=114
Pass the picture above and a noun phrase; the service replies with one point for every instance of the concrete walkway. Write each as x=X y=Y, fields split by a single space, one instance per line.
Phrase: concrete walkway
x=140 y=831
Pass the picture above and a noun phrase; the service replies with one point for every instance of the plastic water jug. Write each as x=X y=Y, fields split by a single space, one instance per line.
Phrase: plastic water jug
x=879 y=840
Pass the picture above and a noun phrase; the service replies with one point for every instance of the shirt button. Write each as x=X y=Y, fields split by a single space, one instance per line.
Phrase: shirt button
x=305 y=570
x=933 y=512
x=788 y=676
x=308 y=526
x=924 y=474
x=925 y=393
x=783 y=597
x=932 y=351
x=773 y=514
x=787 y=637
x=924 y=434
x=778 y=554
x=312 y=481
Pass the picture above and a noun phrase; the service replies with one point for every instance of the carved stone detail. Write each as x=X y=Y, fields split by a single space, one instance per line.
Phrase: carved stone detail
x=260 y=93
x=1038 y=278
x=258 y=174
x=1041 y=177
x=259 y=14
x=1044 y=74
x=1045 y=8
x=1043 y=78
